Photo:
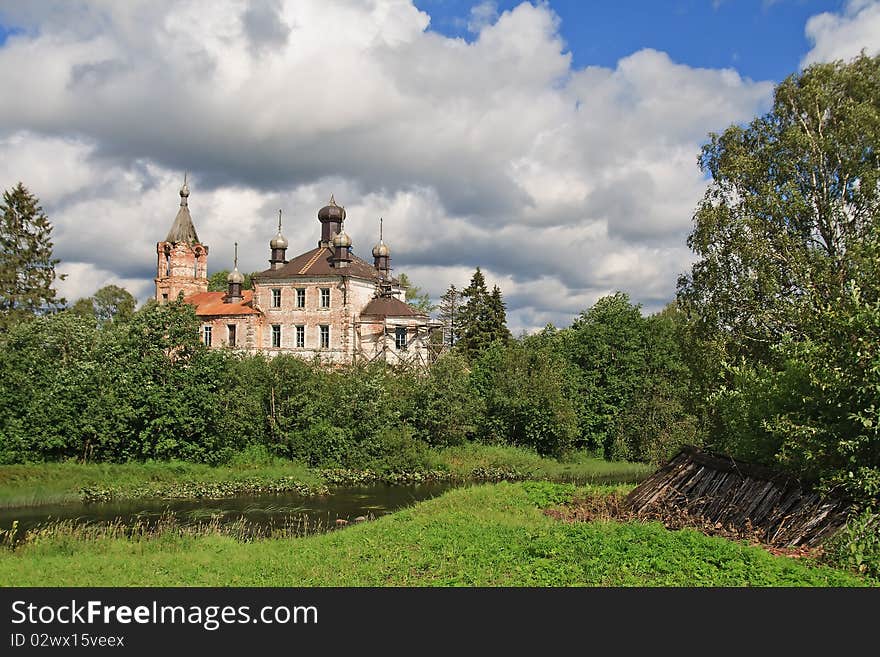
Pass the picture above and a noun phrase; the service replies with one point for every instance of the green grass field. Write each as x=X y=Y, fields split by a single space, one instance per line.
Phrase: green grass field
x=489 y=535
x=47 y=483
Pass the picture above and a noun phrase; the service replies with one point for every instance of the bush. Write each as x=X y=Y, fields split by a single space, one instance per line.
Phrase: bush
x=857 y=545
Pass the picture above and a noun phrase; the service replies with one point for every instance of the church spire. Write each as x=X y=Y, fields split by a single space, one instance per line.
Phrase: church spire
x=382 y=254
x=183 y=230
x=234 y=281
x=278 y=245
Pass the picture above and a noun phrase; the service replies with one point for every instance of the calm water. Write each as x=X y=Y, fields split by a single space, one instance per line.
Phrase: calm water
x=316 y=513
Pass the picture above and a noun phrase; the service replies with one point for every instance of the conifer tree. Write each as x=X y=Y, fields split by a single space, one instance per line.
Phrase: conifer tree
x=483 y=316
x=498 y=315
x=450 y=315
x=27 y=268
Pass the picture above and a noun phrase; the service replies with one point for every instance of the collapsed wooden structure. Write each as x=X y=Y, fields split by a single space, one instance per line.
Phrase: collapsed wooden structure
x=740 y=496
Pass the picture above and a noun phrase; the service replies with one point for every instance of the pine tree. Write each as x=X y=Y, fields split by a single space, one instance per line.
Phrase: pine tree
x=498 y=315
x=450 y=315
x=27 y=268
x=483 y=316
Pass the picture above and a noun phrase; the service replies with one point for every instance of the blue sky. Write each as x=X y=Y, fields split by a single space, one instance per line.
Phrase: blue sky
x=492 y=135
x=762 y=39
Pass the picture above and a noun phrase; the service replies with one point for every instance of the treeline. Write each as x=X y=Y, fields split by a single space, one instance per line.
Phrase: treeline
x=143 y=386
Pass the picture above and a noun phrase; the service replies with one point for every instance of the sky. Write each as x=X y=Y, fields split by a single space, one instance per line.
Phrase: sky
x=553 y=144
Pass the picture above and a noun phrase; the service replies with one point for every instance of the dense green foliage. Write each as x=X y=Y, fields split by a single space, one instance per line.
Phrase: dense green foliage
x=27 y=266
x=147 y=388
x=478 y=536
x=626 y=379
x=110 y=303
x=783 y=300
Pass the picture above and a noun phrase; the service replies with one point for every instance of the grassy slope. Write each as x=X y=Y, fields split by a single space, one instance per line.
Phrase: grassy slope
x=487 y=535
x=43 y=483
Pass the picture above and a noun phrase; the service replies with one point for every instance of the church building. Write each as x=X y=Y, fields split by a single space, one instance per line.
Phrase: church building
x=325 y=303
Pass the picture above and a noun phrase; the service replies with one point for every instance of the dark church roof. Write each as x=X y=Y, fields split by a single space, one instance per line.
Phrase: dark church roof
x=182 y=230
x=390 y=307
x=317 y=262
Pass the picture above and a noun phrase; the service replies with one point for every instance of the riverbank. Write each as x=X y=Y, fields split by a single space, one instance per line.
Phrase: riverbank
x=489 y=535
x=52 y=483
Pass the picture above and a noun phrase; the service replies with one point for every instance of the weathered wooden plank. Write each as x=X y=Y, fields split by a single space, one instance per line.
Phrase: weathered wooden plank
x=738 y=495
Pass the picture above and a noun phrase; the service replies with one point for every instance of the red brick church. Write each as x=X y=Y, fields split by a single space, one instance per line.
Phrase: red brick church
x=325 y=303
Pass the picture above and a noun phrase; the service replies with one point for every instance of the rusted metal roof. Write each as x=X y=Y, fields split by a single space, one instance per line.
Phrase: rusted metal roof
x=390 y=307
x=211 y=304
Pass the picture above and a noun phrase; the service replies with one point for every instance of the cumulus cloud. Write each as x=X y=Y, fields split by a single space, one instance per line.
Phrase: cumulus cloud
x=563 y=184
x=843 y=36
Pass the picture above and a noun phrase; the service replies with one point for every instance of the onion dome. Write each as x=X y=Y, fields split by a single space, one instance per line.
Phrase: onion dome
x=235 y=276
x=341 y=240
x=331 y=212
x=381 y=250
x=279 y=241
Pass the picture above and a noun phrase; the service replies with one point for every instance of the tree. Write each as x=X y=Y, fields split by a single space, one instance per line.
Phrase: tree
x=528 y=397
x=217 y=281
x=793 y=197
x=606 y=343
x=27 y=268
x=483 y=317
x=110 y=303
x=415 y=297
x=498 y=314
x=783 y=298
x=450 y=310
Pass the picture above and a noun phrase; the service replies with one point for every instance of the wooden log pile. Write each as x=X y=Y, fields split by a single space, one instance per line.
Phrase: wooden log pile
x=741 y=496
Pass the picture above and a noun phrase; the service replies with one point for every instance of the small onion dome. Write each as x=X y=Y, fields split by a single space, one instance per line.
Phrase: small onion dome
x=341 y=240
x=184 y=191
x=235 y=276
x=278 y=242
x=331 y=212
x=381 y=250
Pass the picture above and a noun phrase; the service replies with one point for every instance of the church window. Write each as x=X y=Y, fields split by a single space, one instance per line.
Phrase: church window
x=400 y=337
x=325 y=337
x=207 y=335
x=231 y=328
x=300 y=297
x=276 y=335
x=300 y=336
x=325 y=297
x=276 y=298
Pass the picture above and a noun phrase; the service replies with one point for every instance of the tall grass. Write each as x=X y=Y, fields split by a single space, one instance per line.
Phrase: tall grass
x=490 y=535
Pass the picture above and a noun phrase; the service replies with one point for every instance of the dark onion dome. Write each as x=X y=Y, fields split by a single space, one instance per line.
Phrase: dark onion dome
x=381 y=250
x=278 y=242
x=235 y=276
x=331 y=212
x=341 y=240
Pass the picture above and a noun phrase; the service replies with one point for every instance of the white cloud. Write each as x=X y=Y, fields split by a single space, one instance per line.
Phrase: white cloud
x=843 y=36
x=563 y=184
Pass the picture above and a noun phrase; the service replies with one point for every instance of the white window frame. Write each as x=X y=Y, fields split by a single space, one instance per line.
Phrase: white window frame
x=300 y=297
x=276 y=297
x=325 y=294
x=276 y=331
x=324 y=330
x=300 y=336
